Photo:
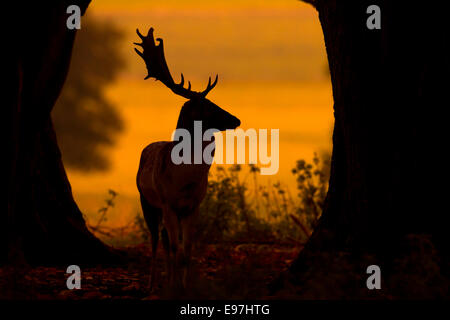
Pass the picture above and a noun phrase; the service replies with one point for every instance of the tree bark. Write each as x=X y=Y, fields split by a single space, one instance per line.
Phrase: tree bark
x=385 y=197
x=42 y=224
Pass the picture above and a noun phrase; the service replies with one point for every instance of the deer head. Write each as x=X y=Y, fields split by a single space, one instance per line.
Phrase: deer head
x=198 y=108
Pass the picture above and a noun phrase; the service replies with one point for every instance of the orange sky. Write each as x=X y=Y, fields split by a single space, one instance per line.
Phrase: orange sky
x=271 y=62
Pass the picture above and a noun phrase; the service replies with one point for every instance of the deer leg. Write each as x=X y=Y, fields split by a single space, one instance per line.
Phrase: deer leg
x=155 y=236
x=170 y=222
x=152 y=216
x=166 y=245
x=188 y=231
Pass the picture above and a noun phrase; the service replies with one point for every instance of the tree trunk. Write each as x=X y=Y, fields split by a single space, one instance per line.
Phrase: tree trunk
x=384 y=202
x=43 y=224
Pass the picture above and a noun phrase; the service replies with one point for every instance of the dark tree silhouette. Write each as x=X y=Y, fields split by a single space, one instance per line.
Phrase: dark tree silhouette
x=385 y=198
x=85 y=121
x=42 y=223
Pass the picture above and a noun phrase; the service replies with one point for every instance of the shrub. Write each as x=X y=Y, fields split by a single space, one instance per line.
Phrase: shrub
x=232 y=211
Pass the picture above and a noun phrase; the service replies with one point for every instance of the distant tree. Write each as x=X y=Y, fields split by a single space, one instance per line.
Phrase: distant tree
x=85 y=121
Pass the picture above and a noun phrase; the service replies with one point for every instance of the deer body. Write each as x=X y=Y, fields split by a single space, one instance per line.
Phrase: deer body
x=161 y=182
x=172 y=193
x=170 y=198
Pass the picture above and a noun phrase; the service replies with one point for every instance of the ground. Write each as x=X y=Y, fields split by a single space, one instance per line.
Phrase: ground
x=226 y=271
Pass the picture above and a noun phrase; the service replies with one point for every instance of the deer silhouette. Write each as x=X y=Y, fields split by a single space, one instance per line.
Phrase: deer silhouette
x=171 y=193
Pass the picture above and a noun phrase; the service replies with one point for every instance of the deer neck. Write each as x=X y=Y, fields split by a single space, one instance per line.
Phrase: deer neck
x=196 y=134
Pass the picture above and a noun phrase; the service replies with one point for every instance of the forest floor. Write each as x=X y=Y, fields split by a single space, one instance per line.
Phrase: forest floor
x=225 y=271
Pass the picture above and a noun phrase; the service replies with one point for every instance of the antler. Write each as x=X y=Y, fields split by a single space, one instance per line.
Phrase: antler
x=157 y=68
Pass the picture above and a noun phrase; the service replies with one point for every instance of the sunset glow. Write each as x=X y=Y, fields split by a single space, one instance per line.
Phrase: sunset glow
x=271 y=62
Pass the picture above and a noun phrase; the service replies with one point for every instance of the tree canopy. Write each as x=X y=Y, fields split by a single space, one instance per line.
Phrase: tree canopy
x=86 y=122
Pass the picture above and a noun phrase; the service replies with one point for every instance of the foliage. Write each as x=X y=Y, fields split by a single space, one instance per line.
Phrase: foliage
x=235 y=211
x=85 y=120
x=109 y=203
x=226 y=214
x=135 y=232
x=312 y=185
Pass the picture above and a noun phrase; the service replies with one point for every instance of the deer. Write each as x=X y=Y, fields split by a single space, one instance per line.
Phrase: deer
x=170 y=193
